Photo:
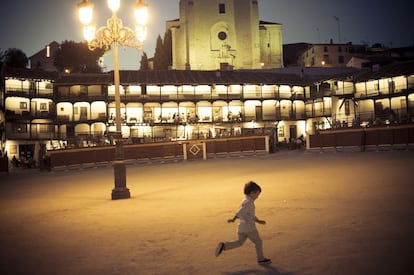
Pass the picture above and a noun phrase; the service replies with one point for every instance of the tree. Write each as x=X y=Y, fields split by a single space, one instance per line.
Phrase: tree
x=77 y=58
x=158 y=55
x=13 y=57
x=168 y=48
x=144 y=62
x=163 y=52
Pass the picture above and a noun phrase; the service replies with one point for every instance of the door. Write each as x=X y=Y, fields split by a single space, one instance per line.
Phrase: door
x=83 y=113
x=259 y=116
x=70 y=131
x=293 y=133
x=26 y=151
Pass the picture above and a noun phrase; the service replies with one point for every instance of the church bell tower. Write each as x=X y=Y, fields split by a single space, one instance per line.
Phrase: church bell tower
x=219 y=34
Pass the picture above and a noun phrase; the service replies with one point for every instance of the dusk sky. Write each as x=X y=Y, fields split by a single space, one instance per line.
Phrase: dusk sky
x=30 y=25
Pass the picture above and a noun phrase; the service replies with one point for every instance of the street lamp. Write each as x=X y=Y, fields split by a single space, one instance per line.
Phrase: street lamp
x=112 y=34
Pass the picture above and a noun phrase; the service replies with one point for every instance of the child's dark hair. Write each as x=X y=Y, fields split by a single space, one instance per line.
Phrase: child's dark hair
x=251 y=186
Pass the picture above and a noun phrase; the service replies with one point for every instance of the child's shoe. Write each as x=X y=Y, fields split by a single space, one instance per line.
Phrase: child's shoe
x=264 y=261
x=219 y=249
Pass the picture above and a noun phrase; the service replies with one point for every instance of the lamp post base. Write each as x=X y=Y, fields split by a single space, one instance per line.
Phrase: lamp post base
x=120 y=193
x=120 y=190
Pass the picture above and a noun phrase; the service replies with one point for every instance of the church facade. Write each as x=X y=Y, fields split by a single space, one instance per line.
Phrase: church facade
x=224 y=34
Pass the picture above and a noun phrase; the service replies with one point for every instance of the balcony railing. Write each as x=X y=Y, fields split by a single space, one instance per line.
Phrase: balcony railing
x=30 y=93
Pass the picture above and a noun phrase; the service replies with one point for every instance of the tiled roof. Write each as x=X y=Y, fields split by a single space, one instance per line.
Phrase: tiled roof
x=183 y=77
x=186 y=77
x=85 y=78
x=164 y=77
x=28 y=73
x=395 y=69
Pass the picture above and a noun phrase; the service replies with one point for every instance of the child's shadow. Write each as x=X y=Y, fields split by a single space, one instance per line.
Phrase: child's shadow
x=267 y=269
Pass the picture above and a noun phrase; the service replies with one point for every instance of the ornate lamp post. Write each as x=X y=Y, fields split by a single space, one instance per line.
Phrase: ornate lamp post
x=112 y=34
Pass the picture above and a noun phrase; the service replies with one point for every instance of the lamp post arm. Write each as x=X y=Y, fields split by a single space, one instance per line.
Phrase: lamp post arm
x=114 y=32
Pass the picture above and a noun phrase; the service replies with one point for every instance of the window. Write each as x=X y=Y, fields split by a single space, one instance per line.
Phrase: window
x=341 y=59
x=325 y=49
x=45 y=128
x=13 y=149
x=326 y=58
x=23 y=105
x=63 y=91
x=222 y=35
x=222 y=8
x=43 y=106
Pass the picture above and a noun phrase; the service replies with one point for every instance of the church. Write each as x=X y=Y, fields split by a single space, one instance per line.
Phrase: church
x=225 y=35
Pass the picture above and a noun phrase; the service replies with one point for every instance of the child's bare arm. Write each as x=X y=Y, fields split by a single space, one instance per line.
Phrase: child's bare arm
x=259 y=221
x=233 y=219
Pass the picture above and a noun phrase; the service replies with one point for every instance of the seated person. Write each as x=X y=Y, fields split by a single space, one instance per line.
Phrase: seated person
x=15 y=161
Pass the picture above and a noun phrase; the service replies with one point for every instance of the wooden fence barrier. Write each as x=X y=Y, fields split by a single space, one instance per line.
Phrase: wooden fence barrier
x=95 y=155
x=401 y=136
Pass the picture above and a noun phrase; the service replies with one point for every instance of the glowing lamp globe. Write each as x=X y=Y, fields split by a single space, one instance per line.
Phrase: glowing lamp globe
x=85 y=11
x=141 y=13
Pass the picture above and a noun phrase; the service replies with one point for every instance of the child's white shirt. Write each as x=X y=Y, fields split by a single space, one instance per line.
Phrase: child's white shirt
x=246 y=214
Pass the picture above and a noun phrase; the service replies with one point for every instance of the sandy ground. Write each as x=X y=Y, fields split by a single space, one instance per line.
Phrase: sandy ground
x=330 y=213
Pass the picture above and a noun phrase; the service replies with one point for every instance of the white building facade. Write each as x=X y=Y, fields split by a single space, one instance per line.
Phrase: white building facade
x=72 y=110
x=330 y=55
